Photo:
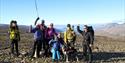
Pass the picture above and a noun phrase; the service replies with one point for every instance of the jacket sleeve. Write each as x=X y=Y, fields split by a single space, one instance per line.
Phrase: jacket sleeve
x=91 y=38
x=54 y=30
x=65 y=37
x=78 y=29
x=33 y=30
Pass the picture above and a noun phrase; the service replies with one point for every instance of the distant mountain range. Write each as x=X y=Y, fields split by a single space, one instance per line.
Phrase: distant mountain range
x=109 y=29
x=112 y=29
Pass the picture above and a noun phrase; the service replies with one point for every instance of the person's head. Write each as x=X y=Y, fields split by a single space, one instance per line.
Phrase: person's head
x=43 y=22
x=13 y=24
x=51 y=25
x=85 y=28
x=68 y=26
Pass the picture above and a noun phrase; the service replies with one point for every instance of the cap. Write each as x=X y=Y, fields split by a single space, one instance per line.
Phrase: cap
x=68 y=25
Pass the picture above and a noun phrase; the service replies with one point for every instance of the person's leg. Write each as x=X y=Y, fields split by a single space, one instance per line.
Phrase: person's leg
x=89 y=54
x=46 y=47
x=16 y=46
x=34 y=48
x=41 y=45
x=84 y=52
x=53 y=54
x=67 y=57
x=38 y=48
x=12 y=46
x=72 y=44
x=58 y=56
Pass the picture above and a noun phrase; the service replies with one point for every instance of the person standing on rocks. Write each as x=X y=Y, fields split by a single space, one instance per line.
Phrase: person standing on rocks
x=38 y=37
x=69 y=36
x=87 y=43
x=50 y=32
x=43 y=27
x=37 y=40
x=14 y=36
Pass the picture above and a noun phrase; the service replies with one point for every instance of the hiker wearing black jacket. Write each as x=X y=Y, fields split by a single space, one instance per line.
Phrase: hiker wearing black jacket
x=87 y=42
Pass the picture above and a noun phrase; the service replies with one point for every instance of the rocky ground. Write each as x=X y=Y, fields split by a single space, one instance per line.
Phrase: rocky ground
x=109 y=50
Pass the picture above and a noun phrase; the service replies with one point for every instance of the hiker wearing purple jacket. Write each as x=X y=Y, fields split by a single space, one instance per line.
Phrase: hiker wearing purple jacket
x=50 y=32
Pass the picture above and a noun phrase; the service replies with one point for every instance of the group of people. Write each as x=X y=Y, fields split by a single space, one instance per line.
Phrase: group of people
x=47 y=39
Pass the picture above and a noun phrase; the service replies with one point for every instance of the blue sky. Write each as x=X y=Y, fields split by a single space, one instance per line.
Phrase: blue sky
x=62 y=11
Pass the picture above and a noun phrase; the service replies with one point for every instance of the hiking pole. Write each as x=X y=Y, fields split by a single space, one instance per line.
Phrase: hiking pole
x=36 y=12
x=36 y=8
x=36 y=21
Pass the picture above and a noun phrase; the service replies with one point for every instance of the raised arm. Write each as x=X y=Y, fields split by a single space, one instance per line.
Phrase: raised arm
x=78 y=29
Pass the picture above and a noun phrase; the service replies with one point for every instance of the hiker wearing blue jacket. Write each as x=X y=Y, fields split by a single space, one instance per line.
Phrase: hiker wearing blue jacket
x=56 y=46
x=37 y=40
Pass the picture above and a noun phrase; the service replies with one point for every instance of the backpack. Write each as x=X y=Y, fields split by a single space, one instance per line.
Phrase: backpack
x=91 y=30
x=69 y=35
x=12 y=35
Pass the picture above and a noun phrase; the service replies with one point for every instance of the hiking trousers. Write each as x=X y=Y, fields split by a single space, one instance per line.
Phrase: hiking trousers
x=70 y=43
x=14 y=43
x=55 y=54
x=87 y=52
x=43 y=45
x=37 y=48
x=47 y=48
